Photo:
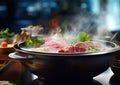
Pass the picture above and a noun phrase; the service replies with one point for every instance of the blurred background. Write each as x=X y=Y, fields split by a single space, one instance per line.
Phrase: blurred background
x=16 y=14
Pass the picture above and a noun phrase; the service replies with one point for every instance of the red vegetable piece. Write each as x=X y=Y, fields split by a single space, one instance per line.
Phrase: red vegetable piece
x=4 y=44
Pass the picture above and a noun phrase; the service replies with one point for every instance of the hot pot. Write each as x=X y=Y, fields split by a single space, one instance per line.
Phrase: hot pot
x=53 y=67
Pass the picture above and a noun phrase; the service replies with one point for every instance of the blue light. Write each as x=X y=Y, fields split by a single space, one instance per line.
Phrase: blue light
x=53 y=4
x=94 y=6
x=45 y=4
x=3 y=8
x=83 y=5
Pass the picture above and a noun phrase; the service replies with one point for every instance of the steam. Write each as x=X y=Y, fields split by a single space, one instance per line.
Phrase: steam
x=81 y=22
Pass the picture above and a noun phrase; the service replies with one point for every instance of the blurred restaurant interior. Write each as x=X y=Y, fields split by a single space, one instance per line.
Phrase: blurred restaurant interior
x=20 y=13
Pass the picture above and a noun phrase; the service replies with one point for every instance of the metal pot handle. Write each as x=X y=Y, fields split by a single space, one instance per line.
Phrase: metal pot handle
x=15 y=56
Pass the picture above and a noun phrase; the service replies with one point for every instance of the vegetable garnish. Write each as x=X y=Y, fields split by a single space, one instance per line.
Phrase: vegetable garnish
x=83 y=36
x=6 y=33
x=34 y=41
x=3 y=44
x=93 y=49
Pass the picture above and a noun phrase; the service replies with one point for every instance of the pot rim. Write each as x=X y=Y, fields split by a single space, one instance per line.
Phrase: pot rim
x=115 y=48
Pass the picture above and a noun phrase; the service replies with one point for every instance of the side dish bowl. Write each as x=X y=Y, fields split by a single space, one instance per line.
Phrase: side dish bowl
x=6 y=50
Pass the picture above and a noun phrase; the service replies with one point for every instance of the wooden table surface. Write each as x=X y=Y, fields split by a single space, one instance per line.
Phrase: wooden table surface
x=11 y=69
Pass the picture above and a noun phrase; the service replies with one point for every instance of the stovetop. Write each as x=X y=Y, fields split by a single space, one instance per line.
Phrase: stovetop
x=105 y=78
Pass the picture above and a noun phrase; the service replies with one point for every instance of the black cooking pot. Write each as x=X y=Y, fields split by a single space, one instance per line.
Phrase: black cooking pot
x=69 y=66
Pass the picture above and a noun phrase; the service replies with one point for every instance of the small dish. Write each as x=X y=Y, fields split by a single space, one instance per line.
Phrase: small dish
x=115 y=67
x=6 y=50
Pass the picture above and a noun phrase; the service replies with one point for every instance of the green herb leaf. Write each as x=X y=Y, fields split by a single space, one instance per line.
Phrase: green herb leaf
x=93 y=49
x=83 y=36
x=34 y=41
x=6 y=33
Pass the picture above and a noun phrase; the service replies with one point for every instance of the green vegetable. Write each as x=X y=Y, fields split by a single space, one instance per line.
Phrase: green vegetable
x=83 y=36
x=93 y=49
x=6 y=33
x=34 y=41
